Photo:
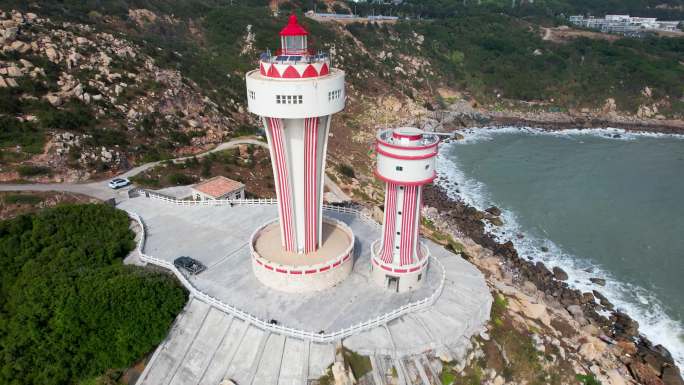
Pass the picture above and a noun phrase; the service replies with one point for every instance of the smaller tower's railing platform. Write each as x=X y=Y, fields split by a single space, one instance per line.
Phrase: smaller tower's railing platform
x=421 y=263
x=386 y=137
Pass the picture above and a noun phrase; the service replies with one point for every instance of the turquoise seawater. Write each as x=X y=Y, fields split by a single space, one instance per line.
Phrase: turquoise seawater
x=605 y=203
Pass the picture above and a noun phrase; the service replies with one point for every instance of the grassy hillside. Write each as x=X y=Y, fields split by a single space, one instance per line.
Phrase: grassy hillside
x=173 y=82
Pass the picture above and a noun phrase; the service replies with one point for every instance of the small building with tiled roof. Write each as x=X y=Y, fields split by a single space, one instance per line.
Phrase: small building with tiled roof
x=218 y=187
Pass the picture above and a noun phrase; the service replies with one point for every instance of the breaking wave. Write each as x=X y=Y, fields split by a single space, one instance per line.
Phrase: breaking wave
x=641 y=304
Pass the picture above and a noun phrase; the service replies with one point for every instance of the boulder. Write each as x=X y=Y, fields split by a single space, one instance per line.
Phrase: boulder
x=53 y=99
x=3 y=84
x=615 y=378
x=495 y=221
x=592 y=349
x=575 y=311
x=598 y=281
x=644 y=374
x=52 y=55
x=26 y=64
x=587 y=298
x=625 y=325
x=610 y=106
x=20 y=46
x=14 y=72
x=560 y=274
x=9 y=33
x=671 y=376
x=495 y=211
x=627 y=346
x=536 y=311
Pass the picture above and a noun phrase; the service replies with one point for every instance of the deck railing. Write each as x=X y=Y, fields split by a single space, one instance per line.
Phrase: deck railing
x=320 y=337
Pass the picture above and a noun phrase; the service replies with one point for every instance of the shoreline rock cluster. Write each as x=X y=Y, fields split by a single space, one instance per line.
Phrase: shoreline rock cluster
x=647 y=363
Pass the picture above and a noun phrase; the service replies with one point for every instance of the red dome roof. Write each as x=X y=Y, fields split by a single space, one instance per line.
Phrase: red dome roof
x=293 y=28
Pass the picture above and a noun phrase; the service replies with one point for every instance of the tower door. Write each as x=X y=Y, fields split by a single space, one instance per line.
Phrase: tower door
x=392 y=283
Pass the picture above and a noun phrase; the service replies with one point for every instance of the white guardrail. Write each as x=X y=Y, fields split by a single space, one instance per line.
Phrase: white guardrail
x=288 y=331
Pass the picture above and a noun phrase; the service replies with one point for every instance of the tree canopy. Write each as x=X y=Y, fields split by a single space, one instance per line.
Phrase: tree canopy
x=69 y=308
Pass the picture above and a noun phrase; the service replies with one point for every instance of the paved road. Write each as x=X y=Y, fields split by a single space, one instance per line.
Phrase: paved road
x=100 y=189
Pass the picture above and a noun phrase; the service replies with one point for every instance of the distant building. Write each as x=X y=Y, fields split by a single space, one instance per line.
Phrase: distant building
x=624 y=24
x=218 y=187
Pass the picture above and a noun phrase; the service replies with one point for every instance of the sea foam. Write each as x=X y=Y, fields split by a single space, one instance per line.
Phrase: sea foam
x=639 y=303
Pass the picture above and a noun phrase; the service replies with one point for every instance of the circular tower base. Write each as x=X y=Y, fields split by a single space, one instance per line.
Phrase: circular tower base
x=397 y=278
x=297 y=273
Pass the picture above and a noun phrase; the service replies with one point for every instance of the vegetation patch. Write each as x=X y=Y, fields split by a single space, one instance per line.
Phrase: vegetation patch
x=27 y=170
x=251 y=166
x=69 y=309
x=22 y=199
x=359 y=364
x=345 y=170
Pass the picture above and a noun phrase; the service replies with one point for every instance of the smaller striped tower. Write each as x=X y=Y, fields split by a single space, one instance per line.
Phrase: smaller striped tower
x=405 y=162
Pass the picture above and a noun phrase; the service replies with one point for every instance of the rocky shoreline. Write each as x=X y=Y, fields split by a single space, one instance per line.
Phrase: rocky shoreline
x=657 y=126
x=642 y=361
x=463 y=115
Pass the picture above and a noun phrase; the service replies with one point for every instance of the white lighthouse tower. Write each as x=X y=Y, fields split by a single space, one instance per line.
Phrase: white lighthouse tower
x=405 y=162
x=295 y=92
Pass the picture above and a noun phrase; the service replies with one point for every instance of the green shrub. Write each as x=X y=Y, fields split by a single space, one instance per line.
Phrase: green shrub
x=346 y=170
x=360 y=365
x=143 y=180
x=22 y=199
x=74 y=116
x=27 y=170
x=180 y=179
x=25 y=134
x=588 y=379
x=69 y=309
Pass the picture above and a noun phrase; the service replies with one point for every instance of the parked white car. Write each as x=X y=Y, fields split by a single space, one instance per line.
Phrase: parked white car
x=118 y=183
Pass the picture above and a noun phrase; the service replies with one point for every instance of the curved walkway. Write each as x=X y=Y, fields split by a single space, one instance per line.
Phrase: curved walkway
x=100 y=190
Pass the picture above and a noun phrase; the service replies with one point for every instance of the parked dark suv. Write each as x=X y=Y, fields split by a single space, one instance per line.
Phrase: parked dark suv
x=189 y=264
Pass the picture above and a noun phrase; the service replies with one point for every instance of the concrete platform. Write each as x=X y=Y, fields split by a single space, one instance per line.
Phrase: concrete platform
x=218 y=236
x=206 y=345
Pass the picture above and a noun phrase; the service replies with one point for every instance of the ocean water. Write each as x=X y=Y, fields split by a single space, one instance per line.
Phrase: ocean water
x=606 y=204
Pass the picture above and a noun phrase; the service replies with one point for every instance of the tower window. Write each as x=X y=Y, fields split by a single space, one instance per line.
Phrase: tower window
x=398 y=212
x=277 y=99
x=399 y=168
x=427 y=166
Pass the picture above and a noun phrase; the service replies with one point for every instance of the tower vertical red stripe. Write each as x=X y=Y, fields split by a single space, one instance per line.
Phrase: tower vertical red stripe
x=310 y=191
x=283 y=184
x=390 y=223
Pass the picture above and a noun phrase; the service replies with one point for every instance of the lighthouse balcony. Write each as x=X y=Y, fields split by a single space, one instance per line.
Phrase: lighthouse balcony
x=407 y=138
x=294 y=65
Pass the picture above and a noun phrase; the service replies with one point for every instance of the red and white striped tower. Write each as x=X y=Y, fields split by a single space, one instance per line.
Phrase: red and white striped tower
x=405 y=162
x=295 y=92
